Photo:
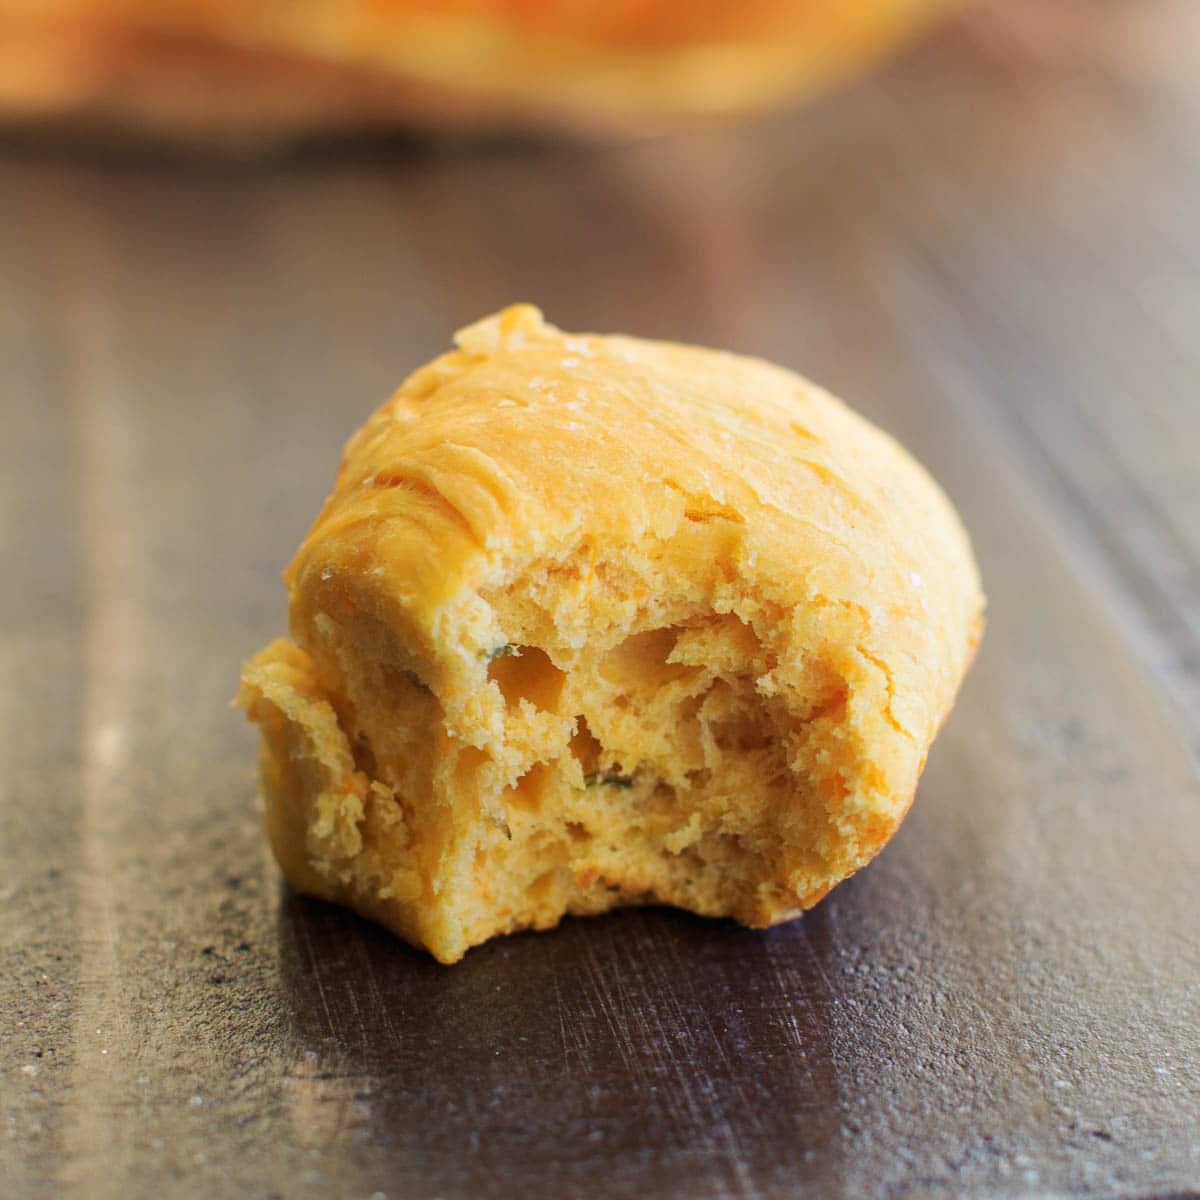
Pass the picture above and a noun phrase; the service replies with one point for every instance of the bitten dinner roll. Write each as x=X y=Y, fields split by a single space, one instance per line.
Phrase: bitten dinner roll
x=590 y=621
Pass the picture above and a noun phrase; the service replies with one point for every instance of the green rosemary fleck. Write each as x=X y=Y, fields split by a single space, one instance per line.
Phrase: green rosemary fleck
x=608 y=779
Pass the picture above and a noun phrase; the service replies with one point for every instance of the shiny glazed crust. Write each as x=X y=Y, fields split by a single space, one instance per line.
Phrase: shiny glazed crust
x=590 y=621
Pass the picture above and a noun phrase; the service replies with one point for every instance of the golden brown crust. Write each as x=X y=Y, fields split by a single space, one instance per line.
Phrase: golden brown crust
x=587 y=621
x=607 y=65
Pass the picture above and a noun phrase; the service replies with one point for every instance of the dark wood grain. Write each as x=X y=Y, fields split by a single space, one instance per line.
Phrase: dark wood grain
x=993 y=250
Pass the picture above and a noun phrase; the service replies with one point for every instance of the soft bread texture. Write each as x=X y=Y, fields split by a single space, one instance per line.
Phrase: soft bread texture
x=591 y=621
x=274 y=67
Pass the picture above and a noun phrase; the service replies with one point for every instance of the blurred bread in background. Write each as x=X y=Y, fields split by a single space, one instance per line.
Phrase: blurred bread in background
x=281 y=67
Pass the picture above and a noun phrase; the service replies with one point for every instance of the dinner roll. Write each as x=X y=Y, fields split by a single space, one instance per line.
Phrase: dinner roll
x=590 y=621
x=276 y=67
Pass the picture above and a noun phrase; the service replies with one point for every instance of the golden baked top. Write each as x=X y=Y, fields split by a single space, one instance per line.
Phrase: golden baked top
x=274 y=66
x=525 y=441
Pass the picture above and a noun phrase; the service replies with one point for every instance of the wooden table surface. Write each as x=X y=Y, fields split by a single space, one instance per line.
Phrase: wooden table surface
x=992 y=248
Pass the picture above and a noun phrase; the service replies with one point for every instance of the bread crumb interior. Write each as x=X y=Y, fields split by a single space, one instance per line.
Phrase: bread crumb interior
x=663 y=758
